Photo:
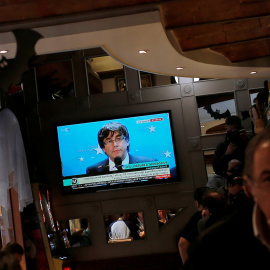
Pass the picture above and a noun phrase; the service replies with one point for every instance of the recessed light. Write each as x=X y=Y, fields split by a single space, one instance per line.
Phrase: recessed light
x=143 y=51
x=253 y=72
x=3 y=51
x=179 y=68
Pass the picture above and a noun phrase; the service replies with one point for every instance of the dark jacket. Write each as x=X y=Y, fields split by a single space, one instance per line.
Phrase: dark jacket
x=103 y=166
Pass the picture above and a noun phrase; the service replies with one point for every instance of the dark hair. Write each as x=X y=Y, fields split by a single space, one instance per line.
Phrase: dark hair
x=215 y=201
x=13 y=247
x=234 y=120
x=198 y=194
x=111 y=127
x=84 y=223
x=261 y=97
x=237 y=170
x=265 y=83
x=8 y=262
x=255 y=142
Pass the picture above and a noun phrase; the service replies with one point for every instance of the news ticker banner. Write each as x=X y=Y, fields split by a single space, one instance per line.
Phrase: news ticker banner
x=131 y=172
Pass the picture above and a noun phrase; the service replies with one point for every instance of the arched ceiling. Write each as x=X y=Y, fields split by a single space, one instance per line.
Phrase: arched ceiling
x=209 y=39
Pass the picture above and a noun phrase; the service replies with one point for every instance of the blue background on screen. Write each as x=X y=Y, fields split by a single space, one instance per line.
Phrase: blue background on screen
x=79 y=146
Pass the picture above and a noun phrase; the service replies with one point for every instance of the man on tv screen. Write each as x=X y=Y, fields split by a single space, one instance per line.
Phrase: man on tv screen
x=113 y=139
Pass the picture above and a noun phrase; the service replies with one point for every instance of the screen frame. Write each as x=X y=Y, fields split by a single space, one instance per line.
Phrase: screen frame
x=120 y=186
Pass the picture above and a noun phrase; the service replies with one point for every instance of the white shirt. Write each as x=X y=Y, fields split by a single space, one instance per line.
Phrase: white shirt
x=112 y=166
x=120 y=230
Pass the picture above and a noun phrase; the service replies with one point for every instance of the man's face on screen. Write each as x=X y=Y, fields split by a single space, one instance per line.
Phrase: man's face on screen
x=115 y=145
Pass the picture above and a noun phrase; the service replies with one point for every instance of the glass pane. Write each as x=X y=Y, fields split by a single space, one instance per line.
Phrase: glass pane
x=105 y=75
x=253 y=96
x=74 y=232
x=259 y=112
x=213 y=111
x=166 y=215
x=55 y=80
x=124 y=227
x=151 y=79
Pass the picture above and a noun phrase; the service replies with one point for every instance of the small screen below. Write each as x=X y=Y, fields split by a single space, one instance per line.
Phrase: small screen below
x=117 y=153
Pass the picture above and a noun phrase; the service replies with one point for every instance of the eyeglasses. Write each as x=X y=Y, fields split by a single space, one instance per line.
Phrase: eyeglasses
x=116 y=140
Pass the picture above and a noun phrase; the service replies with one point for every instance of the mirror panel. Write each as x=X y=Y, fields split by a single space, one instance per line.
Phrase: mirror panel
x=166 y=215
x=105 y=75
x=151 y=79
x=125 y=227
x=74 y=232
x=55 y=80
x=213 y=111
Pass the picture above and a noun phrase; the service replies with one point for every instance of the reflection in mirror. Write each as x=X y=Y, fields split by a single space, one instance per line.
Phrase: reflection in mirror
x=252 y=94
x=45 y=206
x=151 y=79
x=166 y=215
x=74 y=232
x=213 y=111
x=259 y=112
x=105 y=75
x=124 y=227
x=54 y=80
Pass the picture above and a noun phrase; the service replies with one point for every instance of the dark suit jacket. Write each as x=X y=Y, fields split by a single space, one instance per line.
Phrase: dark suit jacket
x=103 y=166
x=229 y=244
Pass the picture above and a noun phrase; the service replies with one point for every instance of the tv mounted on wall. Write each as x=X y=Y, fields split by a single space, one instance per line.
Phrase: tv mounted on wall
x=140 y=151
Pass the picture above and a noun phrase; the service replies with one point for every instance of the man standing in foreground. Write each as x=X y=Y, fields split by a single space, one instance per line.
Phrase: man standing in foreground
x=241 y=240
x=257 y=176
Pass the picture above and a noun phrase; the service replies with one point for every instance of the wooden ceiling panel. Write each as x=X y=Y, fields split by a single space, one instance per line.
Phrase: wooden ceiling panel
x=265 y=25
x=242 y=30
x=199 y=12
x=244 y=51
x=252 y=8
x=238 y=29
x=199 y=36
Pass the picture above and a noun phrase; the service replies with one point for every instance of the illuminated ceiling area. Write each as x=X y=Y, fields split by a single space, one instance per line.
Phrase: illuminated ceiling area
x=123 y=36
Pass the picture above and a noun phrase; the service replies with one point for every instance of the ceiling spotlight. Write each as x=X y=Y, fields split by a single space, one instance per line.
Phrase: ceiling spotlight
x=3 y=51
x=179 y=68
x=253 y=72
x=143 y=51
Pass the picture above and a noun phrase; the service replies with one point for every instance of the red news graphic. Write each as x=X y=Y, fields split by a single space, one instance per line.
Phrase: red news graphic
x=150 y=120
x=156 y=119
x=163 y=176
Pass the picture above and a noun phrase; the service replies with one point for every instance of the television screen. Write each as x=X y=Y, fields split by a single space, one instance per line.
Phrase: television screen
x=117 y=153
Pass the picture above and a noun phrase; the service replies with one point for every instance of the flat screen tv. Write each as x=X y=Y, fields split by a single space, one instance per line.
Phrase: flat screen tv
x=117 y=153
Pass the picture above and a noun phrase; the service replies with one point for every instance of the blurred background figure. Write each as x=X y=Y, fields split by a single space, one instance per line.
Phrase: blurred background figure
x=235 y=185
x=8 y=262
x=140 y=225
x=258 y=113
x=121 y=228
x=164 y=216
x=214 y=208
x=14 y=249
x=232 y=148
x=85 y=237
x=190 y=231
